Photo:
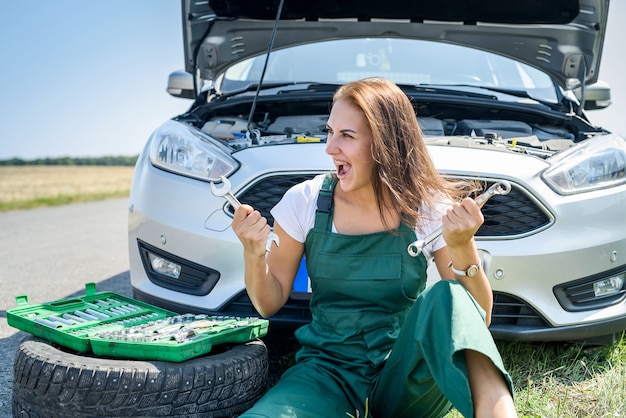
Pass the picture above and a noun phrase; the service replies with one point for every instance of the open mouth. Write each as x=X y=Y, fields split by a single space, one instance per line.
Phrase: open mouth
x=342 y=169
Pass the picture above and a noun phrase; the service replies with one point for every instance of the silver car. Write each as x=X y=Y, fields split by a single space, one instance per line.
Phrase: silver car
x=500 y=94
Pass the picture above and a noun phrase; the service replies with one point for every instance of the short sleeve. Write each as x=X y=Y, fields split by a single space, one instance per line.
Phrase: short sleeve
x=430 y=224
x=295 y=212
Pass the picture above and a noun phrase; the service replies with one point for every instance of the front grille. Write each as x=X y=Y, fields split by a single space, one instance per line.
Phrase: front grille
x=295 y=311
x=505 y=216
x=510 y=311
x=511 y=214
x=194 y=278
x=265 y=193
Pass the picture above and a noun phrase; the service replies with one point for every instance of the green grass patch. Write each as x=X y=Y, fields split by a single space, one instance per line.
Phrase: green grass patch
x=567 y=379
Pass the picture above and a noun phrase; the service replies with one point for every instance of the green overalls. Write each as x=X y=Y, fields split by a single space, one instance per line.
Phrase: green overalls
x=374 y=346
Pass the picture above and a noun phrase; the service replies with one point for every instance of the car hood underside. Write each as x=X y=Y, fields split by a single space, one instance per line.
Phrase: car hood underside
x=561 y=37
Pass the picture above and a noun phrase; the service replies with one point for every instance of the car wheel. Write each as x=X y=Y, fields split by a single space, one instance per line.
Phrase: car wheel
x=51 y=381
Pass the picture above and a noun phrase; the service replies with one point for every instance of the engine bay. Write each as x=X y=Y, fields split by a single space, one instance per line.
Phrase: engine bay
x=504 y=135
x=295 y=118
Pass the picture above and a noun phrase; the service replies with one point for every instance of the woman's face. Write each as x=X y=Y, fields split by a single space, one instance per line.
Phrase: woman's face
x=349 y=144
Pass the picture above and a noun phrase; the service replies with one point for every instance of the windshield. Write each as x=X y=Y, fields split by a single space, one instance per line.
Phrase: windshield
x=403 y=61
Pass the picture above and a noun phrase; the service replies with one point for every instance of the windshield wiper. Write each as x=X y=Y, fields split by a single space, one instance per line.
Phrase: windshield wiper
x=511 y=92
x=306 y=86
x=258 y=86
x=429 y=88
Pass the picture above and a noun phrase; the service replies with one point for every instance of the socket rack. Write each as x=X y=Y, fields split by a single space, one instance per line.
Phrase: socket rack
x=112 y=325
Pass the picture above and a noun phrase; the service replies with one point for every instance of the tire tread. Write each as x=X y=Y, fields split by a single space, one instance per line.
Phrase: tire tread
x=50 y=382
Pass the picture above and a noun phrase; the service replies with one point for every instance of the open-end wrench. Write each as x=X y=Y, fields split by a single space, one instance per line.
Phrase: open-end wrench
x=500 y=188
x=225 y=192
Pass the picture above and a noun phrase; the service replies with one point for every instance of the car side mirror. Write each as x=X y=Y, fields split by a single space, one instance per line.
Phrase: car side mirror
x=597 y=96
x=180 y=84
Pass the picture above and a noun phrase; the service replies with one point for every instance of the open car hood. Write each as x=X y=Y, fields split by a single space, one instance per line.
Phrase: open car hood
x=561 y=37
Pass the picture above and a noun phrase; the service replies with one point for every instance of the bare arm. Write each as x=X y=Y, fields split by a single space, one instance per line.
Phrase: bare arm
x=460 y=223
x=268 y=279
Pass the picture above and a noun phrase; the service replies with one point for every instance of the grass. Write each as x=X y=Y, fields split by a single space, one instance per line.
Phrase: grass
x=567 y=379
x=552 y=380
x=25 y=187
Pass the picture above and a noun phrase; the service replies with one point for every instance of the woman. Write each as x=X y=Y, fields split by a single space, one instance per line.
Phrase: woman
x=379 y=344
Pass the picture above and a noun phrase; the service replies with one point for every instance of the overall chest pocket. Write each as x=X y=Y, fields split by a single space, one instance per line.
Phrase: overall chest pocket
x=375 y=279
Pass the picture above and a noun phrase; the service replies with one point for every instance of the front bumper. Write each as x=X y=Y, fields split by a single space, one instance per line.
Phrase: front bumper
x=514 y=319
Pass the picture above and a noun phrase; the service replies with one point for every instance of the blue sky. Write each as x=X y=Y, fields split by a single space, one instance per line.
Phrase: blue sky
x=87 y=78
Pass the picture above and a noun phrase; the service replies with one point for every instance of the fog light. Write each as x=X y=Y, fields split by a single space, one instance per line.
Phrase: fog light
x=609 y=286
x=164 y=266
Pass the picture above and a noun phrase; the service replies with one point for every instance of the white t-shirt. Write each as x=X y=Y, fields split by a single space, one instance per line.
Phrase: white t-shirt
x=296 y=215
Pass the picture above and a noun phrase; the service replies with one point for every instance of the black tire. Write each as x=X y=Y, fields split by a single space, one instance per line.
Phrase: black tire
x=50 y=382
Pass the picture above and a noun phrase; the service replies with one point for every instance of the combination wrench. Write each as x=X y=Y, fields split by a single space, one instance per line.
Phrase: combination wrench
x=500 y=188
x=225 y=192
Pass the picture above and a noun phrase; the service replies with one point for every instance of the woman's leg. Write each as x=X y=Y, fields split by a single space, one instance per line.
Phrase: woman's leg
x=428 y=368
x=304 y=391
x=490 y=392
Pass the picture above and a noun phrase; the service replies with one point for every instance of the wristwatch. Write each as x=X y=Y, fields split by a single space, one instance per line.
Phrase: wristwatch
x=470 y=272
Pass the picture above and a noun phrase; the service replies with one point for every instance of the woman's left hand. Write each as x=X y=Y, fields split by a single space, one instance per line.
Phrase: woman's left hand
x=461 y=221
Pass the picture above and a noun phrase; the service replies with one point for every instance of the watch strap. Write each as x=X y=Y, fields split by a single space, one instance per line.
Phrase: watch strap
x=471 y=271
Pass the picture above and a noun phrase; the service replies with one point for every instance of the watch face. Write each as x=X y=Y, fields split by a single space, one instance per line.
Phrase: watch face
x=472 y=270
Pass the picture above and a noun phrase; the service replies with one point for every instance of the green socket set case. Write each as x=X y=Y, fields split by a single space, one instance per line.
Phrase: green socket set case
x=112 y=325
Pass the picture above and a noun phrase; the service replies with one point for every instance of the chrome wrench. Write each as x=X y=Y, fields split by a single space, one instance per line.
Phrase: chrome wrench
x=225 y=192
x=500 y=188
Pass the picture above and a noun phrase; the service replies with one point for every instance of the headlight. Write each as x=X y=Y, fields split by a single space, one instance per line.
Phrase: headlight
x=182 y=150
x=598 y=163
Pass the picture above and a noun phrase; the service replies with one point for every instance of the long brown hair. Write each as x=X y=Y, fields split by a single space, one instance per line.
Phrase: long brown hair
x=404 y=177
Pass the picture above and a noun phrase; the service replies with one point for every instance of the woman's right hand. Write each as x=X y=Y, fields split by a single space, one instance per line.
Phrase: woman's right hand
x=269 y=279
x=268 y=290
x=252 y=230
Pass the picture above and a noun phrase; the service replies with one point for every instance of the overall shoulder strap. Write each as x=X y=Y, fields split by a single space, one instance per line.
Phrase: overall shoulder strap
x=324 y=211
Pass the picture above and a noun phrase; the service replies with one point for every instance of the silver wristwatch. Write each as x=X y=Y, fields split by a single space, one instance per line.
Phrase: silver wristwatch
x=470 y=272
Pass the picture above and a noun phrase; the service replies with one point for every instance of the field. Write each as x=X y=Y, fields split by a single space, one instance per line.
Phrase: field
x=559 y=380
x=29 y=186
